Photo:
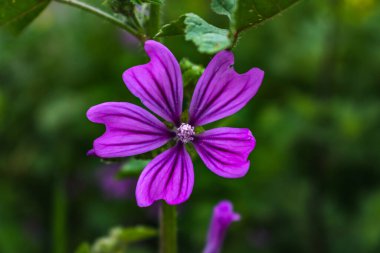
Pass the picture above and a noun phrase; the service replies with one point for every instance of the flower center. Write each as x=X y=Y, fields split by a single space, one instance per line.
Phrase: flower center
x=185 y=132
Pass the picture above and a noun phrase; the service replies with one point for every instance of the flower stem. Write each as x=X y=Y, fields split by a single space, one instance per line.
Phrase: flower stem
x=59 y=216
x=168 y=229
x=154 y=22
x=104 y=15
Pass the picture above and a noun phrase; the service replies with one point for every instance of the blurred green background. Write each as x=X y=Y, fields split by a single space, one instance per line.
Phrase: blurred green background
x=314 y=181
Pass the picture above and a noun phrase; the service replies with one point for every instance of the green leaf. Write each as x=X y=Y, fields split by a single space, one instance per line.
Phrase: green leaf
x=133 y=234
x=133 y=167
x=119 y=238
x=83 y=248
x=251 y=13
x=174 y=28
x=224 y=7
x=15 y=15
x=208 y=38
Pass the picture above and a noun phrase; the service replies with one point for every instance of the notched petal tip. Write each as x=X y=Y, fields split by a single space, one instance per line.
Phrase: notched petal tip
x=221 y=91
x=158 y=83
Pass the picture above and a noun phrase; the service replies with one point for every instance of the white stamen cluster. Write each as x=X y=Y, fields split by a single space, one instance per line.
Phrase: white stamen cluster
x=185 y=133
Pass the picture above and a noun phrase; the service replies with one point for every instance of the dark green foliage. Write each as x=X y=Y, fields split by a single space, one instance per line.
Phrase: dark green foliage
x=251 y=13
x=15 y=15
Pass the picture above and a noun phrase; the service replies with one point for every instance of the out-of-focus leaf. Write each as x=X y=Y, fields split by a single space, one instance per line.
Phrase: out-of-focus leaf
x=83 y=248
x=133 y=234
x=190 y=72
x=118 y=239
x=15 y=15
x=147 y=1
x=251 y=13
x=133 y=167
x=223 y=7
x=208 y=38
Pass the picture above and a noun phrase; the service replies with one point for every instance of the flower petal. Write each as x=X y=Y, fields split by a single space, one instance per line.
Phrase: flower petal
x=158 y=84
x=225 y=150
x=169 y=176
x=130 y=130
x=222 y=218
x=221 y=91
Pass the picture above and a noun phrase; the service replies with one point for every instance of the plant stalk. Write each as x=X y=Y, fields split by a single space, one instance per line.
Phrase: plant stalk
x=59 y=217
x=154 y=22
x=168 y=228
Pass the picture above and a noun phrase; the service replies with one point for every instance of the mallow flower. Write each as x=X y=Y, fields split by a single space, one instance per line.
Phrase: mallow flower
x=132 y=130
x=222 y=218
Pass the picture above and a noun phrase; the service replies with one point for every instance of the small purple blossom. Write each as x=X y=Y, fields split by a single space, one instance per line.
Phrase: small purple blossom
x=112 y=187
x=131 y=130
x=221 y=219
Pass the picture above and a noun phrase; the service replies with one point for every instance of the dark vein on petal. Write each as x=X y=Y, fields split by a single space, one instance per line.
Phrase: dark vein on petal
x=173 y=167
x=151 y=97
x=222 y=149
x=227 y=102
x=213 y=160
x=157 y=170
x=126 y=132
x=163 y=95
x=209 y=80
x=129 y=143
x=132 y=118
x=211 y=101
x=205 y=85
x=181 y=173
x=173 y=86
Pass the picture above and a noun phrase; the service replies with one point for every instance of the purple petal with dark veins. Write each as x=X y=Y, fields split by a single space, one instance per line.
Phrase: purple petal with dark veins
x=169 y=176
x=225 y=150
x=158 y=84
x=221 y=219
x=130 y=130
x=220 y=92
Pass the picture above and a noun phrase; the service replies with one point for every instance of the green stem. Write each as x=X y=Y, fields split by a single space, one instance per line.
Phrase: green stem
x=154 y=22
x=234 y=39
x=59 y=217
x=104 y=15
x=168 y=229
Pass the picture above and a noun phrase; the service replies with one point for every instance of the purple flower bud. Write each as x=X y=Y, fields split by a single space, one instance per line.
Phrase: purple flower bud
x=222 y=217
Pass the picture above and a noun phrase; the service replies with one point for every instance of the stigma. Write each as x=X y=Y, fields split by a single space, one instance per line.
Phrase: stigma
x=185 y=133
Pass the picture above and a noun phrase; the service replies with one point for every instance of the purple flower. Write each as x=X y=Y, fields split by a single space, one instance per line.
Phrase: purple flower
x=131 y=130
x=112 y=187
x=221 y=219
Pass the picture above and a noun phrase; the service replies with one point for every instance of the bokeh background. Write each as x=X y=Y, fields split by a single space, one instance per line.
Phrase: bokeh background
x=314 y=181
